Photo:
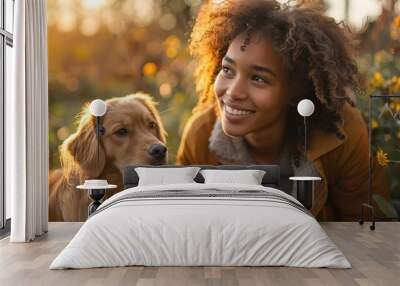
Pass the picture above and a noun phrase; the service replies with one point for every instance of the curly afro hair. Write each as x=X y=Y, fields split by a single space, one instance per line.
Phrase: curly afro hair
x=317 y=52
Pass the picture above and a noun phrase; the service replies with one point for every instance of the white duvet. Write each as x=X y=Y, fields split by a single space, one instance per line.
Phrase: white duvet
x=183 y=231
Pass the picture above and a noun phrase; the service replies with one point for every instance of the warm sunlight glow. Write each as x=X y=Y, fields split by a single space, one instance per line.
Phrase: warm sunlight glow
x=67 y=21
x=359 y=10
x=165 y=90
x=167 y=21
x=89 y=26
x=93 y=4
x=142 y=13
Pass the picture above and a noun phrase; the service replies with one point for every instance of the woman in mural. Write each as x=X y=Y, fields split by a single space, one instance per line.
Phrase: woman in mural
x=256 y=60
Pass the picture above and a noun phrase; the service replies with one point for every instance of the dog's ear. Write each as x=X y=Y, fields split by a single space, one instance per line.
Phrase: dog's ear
x=150 y=104
x=79 y=151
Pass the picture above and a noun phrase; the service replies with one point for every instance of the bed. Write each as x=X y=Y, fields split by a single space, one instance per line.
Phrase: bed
x=201 y=224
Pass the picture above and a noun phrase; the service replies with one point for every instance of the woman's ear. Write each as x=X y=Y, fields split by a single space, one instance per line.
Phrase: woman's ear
x=82 y=148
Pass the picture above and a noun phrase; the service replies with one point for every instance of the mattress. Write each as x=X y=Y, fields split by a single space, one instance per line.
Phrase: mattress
x=201 y=225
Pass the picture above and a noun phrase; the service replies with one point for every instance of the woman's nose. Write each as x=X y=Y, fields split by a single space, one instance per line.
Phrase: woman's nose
x=237 y=90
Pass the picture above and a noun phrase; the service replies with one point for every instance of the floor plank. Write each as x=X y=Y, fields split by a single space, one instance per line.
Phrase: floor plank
x=374 y=255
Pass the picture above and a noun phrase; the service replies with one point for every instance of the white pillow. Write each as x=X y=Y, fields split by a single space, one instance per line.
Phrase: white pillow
x=248 y=177
x=163 y=176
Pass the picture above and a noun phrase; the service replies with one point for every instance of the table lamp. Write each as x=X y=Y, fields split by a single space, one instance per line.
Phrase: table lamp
x=97 y=188
x=98 y=108
x=305 y=108
x=305 y=184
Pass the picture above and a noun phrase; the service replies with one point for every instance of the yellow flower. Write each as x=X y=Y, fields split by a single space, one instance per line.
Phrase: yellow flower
x=396 y=22
x=393 y=85
x=395 y=29
x=149 y=69
x=396 y=87
x=374 y=124
x=172 y=45
x=382 y=157
x=379 y=56
x=377 y=80
x=378 y=76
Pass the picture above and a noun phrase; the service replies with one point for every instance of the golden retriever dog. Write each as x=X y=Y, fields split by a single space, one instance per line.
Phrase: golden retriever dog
x=132 y=134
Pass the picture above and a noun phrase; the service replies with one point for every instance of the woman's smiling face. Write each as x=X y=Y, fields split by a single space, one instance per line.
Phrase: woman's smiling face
x=250 y=87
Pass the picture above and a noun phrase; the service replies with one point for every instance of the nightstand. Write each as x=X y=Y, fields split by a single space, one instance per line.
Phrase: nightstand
x=305 y=189
x=96 y=190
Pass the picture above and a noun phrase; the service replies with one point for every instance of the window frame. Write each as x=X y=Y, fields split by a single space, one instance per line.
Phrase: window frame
x=6 y=39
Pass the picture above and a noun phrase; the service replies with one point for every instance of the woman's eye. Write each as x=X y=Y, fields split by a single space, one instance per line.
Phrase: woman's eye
x=258 y=79
x=152 y=125
x=121 y=132
x=227 y=71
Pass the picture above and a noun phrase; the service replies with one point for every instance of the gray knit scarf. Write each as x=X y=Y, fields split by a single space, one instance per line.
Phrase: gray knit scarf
x=234 y=150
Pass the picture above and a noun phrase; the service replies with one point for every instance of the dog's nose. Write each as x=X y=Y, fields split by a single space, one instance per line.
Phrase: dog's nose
x=157 y=151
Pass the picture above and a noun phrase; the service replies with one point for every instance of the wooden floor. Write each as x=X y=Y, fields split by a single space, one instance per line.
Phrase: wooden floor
x=374 y=255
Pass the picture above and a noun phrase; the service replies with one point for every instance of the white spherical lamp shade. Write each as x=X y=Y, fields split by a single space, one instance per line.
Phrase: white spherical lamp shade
x=98 y=107
x=305 y=107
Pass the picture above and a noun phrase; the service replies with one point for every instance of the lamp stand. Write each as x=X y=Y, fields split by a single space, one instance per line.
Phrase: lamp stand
x=305 y=137
x=98 y=137
x=369 y=206
x=96 y=195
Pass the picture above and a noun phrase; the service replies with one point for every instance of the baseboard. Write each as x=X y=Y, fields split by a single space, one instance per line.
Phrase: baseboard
x=5 y=231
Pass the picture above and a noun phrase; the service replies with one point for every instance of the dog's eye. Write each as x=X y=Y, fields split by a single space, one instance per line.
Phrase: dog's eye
x=152 y=125
x=121 y=132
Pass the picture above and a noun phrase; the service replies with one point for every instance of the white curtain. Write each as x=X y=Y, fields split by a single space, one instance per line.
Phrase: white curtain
x=27 y=124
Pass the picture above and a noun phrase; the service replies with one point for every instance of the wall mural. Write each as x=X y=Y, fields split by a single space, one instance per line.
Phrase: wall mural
x=189 y=83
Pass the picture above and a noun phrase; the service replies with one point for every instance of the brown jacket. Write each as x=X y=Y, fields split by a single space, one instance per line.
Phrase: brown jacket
x=342 y=164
